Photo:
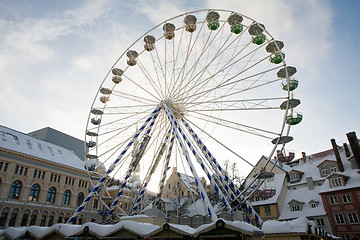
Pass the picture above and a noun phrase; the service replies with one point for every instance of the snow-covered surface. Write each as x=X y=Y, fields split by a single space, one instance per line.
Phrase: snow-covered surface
x=189 y=182
x=306 y=196
x=277 y=183
x=172 y=204
x=143 y=230
x=299 y=225
x=25 y=144
x=197 y=208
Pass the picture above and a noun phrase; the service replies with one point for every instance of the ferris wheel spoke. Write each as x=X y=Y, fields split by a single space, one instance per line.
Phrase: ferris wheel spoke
x=232 y=83
x=235 y=125
x=141 y=87
x=189 y=50
x=220 y=143
x=227 y=66
x=150 y=80
x=135 y=98
x=207 y=44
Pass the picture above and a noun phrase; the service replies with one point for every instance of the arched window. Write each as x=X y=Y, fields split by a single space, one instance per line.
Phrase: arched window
x=80 y=198
x=33 y=217
x=4 y=215
x=25 y=217
x=15 y=190
x=34 y=192
x=51 y=195
x=13 y=217
x=66 y=198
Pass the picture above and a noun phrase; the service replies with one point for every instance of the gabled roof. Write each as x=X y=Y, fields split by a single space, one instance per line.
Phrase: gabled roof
x=294 y=201
x=326 y=161
x=294 y=170
x=336 y=174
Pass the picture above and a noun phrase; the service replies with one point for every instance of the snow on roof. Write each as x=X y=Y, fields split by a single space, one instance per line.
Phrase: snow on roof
x=144 y=230
x=277 y=183
x=25 y=144
x=197 y=208
x=299 y=225
x=352 y=176
x=189 y=181
x=174 y=203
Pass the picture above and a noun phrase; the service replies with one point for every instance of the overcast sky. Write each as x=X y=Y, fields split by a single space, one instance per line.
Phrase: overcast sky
x=54 y=55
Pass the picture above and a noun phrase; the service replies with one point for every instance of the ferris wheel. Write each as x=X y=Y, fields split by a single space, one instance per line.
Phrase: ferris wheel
x=197 y=89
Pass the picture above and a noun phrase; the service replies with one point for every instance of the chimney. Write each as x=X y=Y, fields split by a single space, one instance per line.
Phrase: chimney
x=303 y=157
x=310 y=183
x=355 y=147
x=347 y=151
x=337 y=155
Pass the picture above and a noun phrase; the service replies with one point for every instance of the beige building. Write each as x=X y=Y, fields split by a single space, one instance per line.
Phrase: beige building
x=181 y=185
x=41 y=183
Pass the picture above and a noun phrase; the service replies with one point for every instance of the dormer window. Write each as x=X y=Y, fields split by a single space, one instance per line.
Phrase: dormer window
x=333 y=169
x=295 y=208
x=324 y=172
x=313 y=204
x=336 y=182
x=294 y=177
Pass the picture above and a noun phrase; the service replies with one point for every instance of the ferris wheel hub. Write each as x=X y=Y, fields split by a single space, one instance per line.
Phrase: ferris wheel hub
x=177 y=109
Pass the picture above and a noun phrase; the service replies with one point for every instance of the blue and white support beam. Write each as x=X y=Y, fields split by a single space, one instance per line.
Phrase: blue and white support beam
x=167 y=160
x=221 y=172
x=113 y=165
x=149 y=174
x=132 y=167
x=204 y=197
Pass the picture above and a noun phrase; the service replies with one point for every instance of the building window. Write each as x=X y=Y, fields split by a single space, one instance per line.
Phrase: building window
x=25 y=171
x=346 y=198
x=21 y=170
x=3 y=218
x=16 y=169
x=51 y=195
x=42 y=221
x=324 y=172
x=34 y=192
x=353 y=217
x=345 y=237
x=35 y=172
x=80 y=198
x=314 y=204
x=95 y=204
x=256 y=209
x=294 y=177
x=333 y=169
x=339 y=219
x=66 y=198
x=15 y=190
x=51 y=220
x=12 y=219
x=295 y=208
x=320 y=222
x=32 y=219
x=25 y=218
x=333 y=200
x=336 y=182
x=267 y=209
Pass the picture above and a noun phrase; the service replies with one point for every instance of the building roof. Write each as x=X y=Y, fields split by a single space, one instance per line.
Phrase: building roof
x=22 y=143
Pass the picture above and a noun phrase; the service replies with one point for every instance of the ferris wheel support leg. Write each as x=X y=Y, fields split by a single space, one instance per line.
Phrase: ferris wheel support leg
x=149 y=174
x=207 y=172
x=221 y=172
x=204 y=197
x=132 y=167
x=112 y=166
x=165 y=169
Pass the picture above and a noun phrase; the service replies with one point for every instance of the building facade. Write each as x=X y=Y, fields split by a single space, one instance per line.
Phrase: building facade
x=341 y=191
x=40 y=183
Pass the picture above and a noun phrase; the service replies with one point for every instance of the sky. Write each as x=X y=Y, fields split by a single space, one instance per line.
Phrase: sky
x=55 y=54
